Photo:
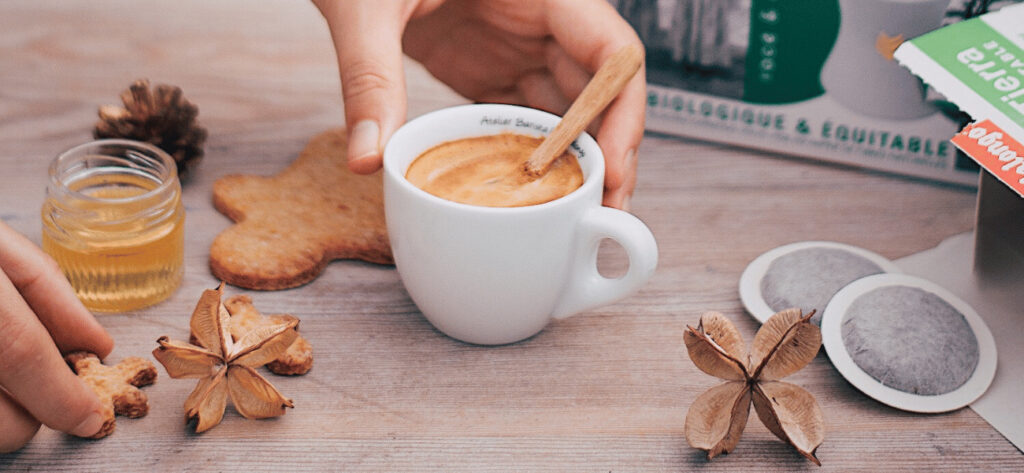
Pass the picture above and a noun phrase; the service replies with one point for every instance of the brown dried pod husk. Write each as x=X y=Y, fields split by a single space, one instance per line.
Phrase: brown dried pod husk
x=784 y=344
x=253 y=396
x=184 y=360
x=297 y=358
x=207 y=402
x=716 y=347
x=792 y=414
x=226 y=368
x=244 y=318
x=717 y=418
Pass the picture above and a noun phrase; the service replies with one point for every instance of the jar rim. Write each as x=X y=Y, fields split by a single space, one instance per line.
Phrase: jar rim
x=167 y=172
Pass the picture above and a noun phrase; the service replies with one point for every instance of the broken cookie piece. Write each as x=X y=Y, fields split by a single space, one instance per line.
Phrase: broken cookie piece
x=117 y=386
x=296 y=360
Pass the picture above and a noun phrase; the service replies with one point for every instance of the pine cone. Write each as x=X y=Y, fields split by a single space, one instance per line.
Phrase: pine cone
x=161 y=116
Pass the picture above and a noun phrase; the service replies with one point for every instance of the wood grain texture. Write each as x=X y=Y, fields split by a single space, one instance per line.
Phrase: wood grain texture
x=605 y=391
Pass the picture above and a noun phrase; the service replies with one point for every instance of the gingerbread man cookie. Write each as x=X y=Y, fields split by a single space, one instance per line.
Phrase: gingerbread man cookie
x=117 y=386
x=289 y=226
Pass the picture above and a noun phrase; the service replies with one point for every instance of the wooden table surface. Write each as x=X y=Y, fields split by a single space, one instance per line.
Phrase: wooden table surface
x=604 y=391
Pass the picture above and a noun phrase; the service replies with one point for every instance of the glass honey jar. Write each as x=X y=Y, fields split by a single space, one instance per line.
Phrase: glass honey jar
x=114 y=222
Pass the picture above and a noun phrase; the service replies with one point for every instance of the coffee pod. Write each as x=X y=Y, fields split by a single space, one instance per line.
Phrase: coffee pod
x=909 y=343
x=806 y=275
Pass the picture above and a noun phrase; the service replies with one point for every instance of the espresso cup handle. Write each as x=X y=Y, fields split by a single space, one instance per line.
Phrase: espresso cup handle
x=587 y=288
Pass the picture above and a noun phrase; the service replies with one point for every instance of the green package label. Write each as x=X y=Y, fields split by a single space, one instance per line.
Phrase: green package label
x=984 y=60
x=789 y=42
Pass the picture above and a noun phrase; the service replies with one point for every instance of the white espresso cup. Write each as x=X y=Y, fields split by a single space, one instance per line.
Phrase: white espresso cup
x=495 y=275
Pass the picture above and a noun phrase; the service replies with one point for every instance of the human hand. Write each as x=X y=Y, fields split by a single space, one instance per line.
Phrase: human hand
x=40 y=317
x=538 y=53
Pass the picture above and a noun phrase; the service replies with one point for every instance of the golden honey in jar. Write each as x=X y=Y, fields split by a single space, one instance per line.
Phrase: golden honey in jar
x=114 y=222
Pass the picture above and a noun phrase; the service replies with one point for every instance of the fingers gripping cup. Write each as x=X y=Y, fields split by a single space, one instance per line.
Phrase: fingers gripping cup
x=494 y=274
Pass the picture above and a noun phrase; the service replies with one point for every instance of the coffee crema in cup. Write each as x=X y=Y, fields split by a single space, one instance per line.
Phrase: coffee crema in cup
x=488 y=171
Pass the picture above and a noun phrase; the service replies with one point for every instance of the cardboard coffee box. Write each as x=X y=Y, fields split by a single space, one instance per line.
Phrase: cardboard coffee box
x=812 y=78
x=979 y=65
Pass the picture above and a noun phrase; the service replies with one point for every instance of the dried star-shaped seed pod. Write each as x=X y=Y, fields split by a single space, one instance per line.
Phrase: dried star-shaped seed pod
x=784 y=344
x=225 y=367
x=296 y=360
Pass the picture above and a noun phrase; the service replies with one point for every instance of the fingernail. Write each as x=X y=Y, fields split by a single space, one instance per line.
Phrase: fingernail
x=90 y=426
x=364 y=141
x=625 y=203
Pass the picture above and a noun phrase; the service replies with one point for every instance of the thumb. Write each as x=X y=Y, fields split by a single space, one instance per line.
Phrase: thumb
x=367 y=37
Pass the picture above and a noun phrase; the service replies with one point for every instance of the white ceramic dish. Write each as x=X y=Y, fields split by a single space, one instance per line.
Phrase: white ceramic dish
x=831 y=334
x=750 y=280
